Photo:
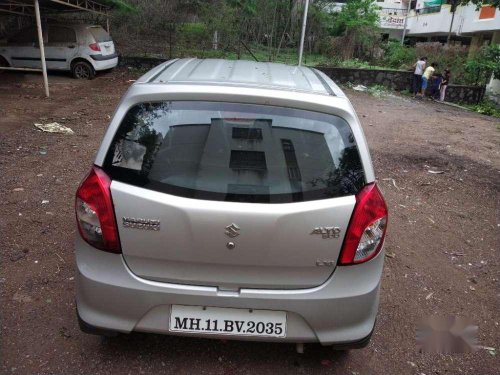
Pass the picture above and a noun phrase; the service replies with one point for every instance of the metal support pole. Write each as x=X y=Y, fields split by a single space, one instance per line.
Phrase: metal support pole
x=42 y=48
x=406 y=23
x=303 y=33
x=453 y=10
x=107 y=22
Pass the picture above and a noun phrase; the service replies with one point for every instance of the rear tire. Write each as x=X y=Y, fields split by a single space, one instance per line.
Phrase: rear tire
x=82 y=70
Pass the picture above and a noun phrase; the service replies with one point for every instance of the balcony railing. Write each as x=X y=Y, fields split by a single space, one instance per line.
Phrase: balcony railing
x=399 y=12
x=427 y=10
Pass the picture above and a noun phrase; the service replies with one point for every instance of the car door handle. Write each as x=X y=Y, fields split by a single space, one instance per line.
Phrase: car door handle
x=71 y=46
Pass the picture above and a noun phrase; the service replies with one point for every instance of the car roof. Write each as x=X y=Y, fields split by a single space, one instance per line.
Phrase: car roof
x=242 y=73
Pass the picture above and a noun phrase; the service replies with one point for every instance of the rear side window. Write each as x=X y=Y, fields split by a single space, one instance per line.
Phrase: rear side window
x=27 y=35
x=99 y=34
x=235 y=152
x=59 y=34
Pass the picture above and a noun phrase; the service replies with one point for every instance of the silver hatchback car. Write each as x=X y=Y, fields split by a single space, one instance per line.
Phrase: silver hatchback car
x=232 y=199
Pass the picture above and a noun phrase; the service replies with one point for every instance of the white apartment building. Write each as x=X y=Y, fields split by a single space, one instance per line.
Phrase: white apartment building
x=392 y=17
x=430 y=20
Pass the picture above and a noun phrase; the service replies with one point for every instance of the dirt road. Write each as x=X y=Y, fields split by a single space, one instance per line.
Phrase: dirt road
x=443 y=241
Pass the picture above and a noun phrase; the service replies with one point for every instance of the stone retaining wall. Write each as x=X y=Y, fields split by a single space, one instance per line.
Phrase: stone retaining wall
x=392 y=79
x=400 y=80
x=397 y=80
x=465 y=94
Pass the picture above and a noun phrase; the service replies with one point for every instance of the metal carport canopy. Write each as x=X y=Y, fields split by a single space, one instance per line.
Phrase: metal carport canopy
x=31 y=8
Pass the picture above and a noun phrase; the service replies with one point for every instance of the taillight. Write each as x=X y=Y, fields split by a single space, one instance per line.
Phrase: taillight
x=94 y=212
x=95 y=47
x=366 y=231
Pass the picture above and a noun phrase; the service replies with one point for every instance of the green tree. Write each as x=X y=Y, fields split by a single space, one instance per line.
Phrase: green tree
x=480 y=3
x=356 y=14
x=484 y=64
x=245 y=10
x=356 y=30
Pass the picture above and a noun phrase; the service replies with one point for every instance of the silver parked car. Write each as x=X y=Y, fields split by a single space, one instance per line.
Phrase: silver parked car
x=232 y=199
x=81 y=49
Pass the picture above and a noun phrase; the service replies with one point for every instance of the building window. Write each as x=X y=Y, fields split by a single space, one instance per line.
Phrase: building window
x=294 y=174
x=248 y=160
x=287 y=145
x=487 y=12
x=247 y=133
x=291 y=160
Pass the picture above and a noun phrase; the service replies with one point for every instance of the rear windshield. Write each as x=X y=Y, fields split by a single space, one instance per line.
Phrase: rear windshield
x=99 y=34
x=235 y=152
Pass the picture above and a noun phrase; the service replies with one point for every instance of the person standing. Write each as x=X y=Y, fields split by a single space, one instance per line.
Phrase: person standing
x=435 y=85
x=428 y=73
x=444 y=84
x=419 y=67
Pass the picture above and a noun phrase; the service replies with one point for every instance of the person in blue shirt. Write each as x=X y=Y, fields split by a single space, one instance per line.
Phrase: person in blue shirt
x=435 y=86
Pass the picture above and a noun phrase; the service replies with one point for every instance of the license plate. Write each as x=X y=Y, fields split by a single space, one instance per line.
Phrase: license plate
x=227 y=321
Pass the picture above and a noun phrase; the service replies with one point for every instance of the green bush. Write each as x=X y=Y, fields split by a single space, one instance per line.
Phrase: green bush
x=486 y=107
x=484 y=64
x=397 y=56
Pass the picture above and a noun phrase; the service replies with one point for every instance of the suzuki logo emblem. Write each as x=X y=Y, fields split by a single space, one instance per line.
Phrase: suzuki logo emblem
x=232 y=230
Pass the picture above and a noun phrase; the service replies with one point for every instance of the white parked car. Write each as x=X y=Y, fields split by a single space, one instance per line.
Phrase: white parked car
x=82 y=49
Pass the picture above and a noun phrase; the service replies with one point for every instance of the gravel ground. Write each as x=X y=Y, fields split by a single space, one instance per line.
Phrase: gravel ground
x=443 y=241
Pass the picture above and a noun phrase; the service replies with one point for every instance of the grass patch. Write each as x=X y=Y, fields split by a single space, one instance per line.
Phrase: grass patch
x=286 y=55
x=378 y=90
x=138 y=71
x=486 y=107
x=357 y=64
x=374 y=90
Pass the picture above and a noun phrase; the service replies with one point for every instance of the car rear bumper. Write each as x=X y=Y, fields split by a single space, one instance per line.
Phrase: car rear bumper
x=105 y=63
x=100 y=57
x=342 y=311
